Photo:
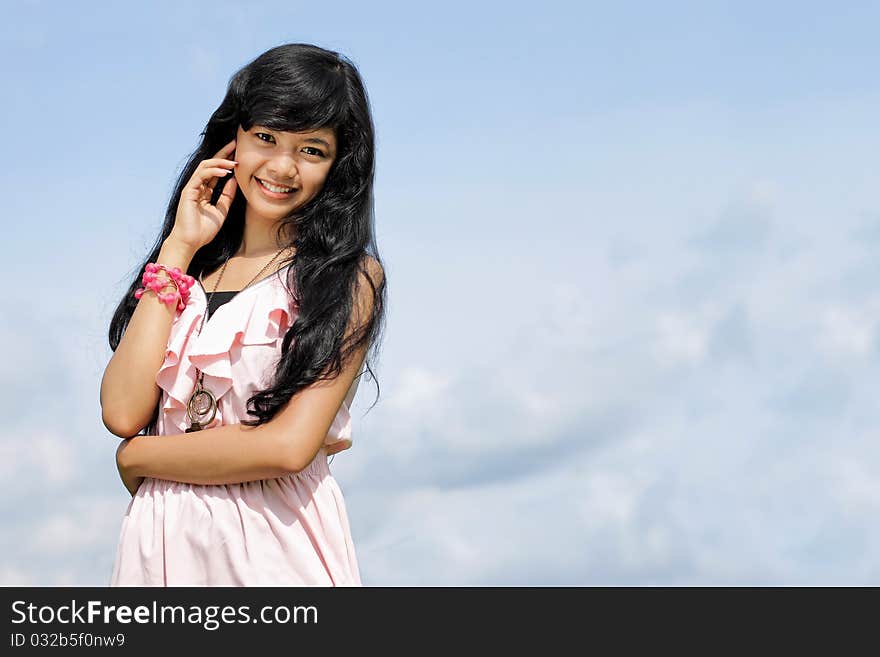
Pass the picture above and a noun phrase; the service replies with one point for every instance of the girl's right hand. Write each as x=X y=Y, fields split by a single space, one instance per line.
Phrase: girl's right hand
x=198 y=221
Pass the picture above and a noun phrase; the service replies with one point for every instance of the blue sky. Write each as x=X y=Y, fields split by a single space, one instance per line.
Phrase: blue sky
x=632 y=258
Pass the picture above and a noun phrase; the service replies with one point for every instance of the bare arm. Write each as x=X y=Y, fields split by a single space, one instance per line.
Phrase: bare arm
x=236 y=453
x=227 y=454
x=129 y=393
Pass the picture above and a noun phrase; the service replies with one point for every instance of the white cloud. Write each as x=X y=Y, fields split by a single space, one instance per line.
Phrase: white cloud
x=418 y=387
x=15 y=576
x=81 y=527
x=848 y=331
x=632 y=356
x=682 y=338
x=34 y=453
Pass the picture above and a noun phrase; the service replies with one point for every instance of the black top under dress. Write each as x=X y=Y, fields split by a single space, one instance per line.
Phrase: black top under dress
x=218 y=300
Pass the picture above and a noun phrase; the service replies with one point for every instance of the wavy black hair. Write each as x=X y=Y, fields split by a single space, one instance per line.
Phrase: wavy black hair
x=297 y=87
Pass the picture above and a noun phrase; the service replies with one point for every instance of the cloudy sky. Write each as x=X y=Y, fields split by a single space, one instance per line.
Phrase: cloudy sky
x=632 y=255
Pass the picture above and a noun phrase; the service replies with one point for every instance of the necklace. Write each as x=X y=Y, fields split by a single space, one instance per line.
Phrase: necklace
x=202 y=406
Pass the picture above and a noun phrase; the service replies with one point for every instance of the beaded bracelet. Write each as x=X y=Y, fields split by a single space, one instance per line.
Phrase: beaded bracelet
x=182 y=282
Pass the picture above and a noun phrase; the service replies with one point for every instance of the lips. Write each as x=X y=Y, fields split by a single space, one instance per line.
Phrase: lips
x=274 y=196
x=289 y=187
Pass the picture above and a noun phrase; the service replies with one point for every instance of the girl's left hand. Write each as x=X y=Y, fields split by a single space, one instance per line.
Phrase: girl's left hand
x=131 y=482
x=337 y=447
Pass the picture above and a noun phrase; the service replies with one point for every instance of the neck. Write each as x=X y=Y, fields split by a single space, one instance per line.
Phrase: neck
x=258 y=240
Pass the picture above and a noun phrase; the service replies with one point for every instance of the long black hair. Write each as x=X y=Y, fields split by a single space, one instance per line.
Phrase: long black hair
x=298 y=88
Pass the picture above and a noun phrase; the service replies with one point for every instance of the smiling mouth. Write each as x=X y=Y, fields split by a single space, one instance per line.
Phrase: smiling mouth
x=286 y=191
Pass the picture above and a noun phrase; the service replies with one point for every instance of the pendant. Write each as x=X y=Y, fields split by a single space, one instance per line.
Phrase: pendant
x=201 y=409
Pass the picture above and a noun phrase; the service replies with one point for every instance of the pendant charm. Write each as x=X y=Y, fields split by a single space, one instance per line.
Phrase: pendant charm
x=201 y=410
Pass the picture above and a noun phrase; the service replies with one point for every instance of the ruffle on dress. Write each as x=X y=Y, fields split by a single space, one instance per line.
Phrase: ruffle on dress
x=172 y=375
x=258 y=315
x=252 y=317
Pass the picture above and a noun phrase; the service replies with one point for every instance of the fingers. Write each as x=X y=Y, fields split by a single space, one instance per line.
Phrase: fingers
x=208 y=168
x=225 y=200
x=209 y=171
x=337 y=447
x=220 y=165
x=226 y=150
x=206 y=177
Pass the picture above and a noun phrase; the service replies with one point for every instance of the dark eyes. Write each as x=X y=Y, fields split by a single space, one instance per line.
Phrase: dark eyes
x=318 y=151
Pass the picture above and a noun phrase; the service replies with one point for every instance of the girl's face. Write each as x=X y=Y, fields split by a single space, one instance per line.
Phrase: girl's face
x=294 y=160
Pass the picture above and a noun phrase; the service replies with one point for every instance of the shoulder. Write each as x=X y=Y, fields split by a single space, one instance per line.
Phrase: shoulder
x=373 y=269
x=369 y=278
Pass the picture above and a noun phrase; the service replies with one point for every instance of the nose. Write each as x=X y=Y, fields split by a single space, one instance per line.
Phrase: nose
x=283 y=169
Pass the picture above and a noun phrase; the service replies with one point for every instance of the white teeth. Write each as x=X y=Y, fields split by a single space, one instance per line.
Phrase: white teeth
x=273 y=188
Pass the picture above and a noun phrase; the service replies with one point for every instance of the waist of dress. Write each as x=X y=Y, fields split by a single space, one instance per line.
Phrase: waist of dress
x=318 y=466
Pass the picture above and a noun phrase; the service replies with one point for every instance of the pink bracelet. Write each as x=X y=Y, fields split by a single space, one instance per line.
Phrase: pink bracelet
x=152 y=281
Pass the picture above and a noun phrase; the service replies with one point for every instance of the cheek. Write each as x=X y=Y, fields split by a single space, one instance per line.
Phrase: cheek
x=317 y=176
x=242 y=172
x=239 y=178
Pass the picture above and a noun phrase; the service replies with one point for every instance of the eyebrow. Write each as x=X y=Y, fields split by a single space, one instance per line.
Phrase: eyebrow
x=318 y=140
x=311 y=140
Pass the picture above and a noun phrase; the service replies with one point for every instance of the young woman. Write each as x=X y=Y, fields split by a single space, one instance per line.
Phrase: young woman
x=238 y=346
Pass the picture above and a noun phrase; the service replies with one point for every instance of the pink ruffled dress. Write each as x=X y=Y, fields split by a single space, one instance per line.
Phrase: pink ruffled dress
x=289 y=531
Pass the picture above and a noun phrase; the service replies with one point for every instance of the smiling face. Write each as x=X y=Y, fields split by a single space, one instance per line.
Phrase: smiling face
x=293 y=160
